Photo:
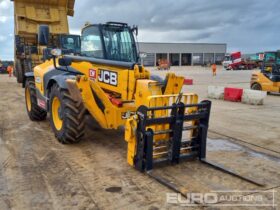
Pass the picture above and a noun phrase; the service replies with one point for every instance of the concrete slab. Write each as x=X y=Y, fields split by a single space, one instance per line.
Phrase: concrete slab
x=215 y=92
x=253 y=97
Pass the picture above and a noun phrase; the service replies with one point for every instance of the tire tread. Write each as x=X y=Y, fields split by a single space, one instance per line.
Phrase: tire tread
x=73 y=117
x=36 y=113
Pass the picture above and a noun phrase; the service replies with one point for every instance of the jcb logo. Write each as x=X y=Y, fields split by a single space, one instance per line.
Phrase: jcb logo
x=108 y=77
x=92 y=74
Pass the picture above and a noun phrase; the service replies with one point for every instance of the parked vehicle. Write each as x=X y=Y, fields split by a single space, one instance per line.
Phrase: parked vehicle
x=111 y=86
x=268 y=79
x=234 y=61
x=163 y=64
x=39 y=27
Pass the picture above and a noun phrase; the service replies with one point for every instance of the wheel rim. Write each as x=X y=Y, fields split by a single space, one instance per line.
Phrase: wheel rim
x=256 y=87
x=28 y=99
x=56 y=113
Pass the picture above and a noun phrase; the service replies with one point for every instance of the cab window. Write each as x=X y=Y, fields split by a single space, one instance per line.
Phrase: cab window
x=91 y=43
x=119 y=44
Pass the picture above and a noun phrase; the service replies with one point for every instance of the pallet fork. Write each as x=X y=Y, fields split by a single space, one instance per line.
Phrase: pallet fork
x=177 y=148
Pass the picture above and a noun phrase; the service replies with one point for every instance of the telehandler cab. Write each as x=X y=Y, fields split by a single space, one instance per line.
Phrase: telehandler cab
x=162 y=124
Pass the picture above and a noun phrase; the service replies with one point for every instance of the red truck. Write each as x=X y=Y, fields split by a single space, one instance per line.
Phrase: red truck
x=233 y=61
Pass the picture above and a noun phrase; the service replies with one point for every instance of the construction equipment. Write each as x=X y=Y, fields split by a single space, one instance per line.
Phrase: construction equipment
x=163 y=64
x=39 y=25
x=269 y=60
x=162 y=124
x=268 y=79
x=234 y=61
x=257 y=58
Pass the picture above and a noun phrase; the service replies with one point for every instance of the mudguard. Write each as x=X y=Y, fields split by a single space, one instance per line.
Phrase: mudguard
x=59 y=77
x=60 y=80
x=56 y=77
x=26 y=76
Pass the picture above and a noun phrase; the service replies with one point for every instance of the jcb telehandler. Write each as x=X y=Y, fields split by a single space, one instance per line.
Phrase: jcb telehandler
x=162 y=124
x=268 y=79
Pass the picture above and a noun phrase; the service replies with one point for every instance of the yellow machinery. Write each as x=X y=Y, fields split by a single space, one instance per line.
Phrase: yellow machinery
x=268 y=79
x=34 y=19
x=162 y=124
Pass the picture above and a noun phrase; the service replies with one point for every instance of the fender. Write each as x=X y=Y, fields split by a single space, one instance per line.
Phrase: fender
x=60 y=80
x=26 y=76
x=56 y=77
x=59 y=77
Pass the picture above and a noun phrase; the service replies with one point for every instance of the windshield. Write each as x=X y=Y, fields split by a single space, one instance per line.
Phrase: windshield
x=119 y=44
x=91 y=43
x=227 y=58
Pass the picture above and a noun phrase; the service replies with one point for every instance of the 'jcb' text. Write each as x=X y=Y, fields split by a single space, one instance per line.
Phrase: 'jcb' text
x=108 y=77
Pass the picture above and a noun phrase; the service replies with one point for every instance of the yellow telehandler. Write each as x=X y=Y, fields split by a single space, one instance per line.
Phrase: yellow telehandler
x=162 y=124
x=268 y=79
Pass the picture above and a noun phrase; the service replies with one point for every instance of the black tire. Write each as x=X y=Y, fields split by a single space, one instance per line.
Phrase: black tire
x=34 y=112
x=256 y=86
x=72 y=115
x=19 y=71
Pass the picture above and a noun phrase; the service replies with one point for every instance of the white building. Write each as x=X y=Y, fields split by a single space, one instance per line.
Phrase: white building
x=183 y=54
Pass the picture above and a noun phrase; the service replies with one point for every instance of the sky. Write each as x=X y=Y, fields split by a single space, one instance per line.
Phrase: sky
x=249 y=26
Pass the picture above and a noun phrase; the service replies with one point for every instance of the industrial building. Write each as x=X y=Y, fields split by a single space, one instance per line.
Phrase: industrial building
x=182 y=54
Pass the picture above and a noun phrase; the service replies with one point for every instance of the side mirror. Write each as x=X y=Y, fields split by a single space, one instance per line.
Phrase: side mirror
x=56 y=52
x=135 y=29
x=64 y=61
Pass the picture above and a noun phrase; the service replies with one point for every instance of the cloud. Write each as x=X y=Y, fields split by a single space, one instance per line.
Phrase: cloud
x=6 y=28
x=246 y=25
x=3 y=19
x=4 y=4
x=3 y=38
